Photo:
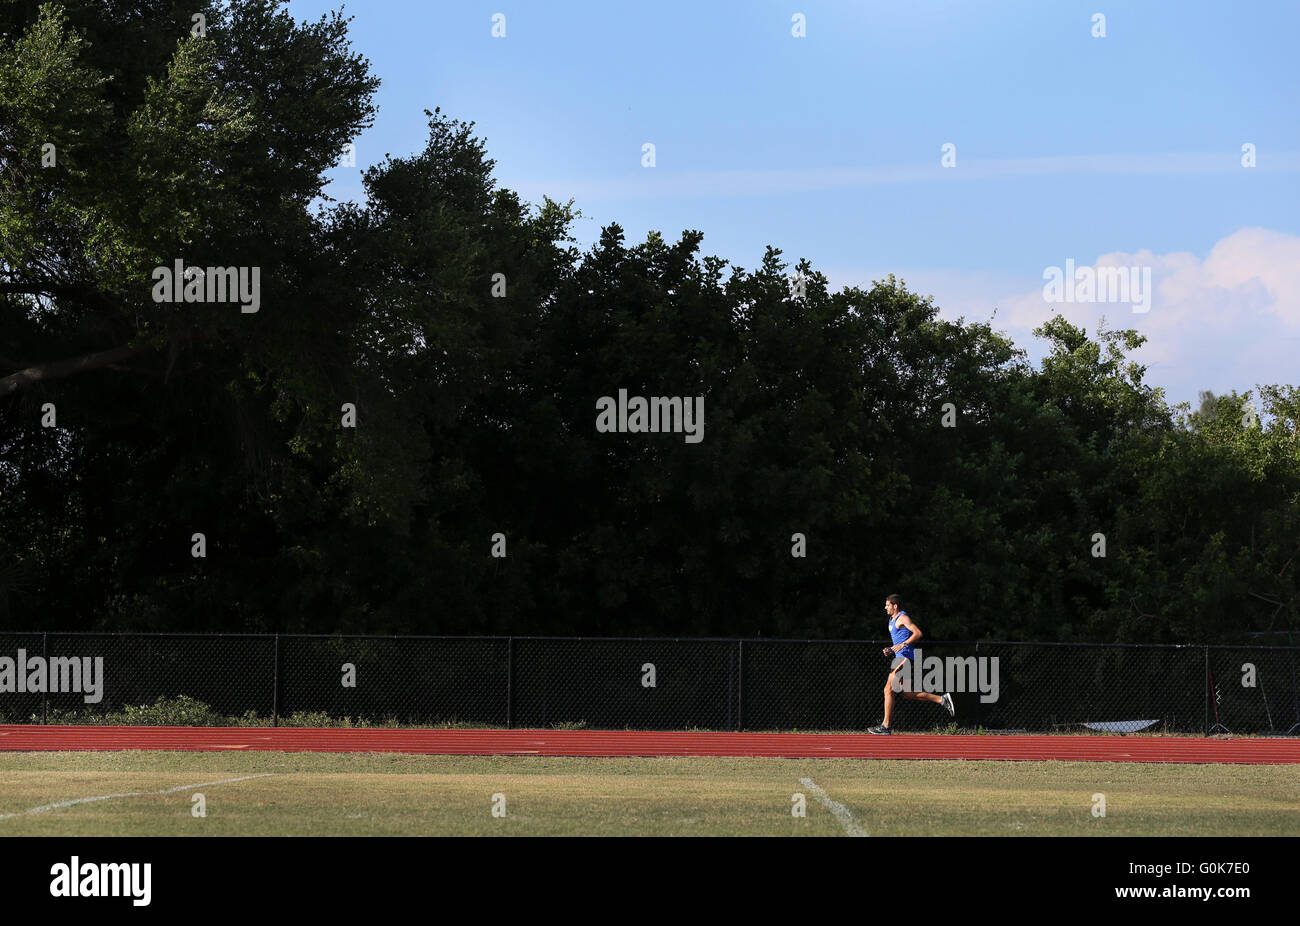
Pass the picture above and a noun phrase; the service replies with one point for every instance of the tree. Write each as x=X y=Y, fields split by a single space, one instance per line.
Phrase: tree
x=472 y=340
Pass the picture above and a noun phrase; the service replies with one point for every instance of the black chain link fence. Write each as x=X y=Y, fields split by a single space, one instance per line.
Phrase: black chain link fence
x=709 y=684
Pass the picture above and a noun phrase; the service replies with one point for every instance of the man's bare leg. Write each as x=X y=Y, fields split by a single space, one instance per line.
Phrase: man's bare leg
x=889 y=697
x=910 y=695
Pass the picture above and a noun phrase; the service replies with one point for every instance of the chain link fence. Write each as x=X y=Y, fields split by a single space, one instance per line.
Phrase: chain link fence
x=636 y=683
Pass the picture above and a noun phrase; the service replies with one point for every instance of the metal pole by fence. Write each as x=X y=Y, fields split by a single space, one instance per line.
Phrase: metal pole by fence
x=740 y=685
x=275 y=685
x=45 y=655
x=510 y=682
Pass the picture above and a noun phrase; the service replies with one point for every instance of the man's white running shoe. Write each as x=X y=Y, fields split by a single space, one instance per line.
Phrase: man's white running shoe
x=947 y=702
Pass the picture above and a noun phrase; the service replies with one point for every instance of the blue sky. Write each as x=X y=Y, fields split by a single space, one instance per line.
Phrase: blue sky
x=1124 y=149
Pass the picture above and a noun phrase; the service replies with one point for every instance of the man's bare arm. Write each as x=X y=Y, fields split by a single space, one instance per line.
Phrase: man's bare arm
x=907 y=622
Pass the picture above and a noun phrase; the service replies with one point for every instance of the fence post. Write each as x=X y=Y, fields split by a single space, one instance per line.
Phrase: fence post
x=275 y=685
x=1205 y=680
x=45 y=656
x=510 y=682
x=740 y=686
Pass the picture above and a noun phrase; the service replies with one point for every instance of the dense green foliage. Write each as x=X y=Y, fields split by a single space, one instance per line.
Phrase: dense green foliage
x=476 y=412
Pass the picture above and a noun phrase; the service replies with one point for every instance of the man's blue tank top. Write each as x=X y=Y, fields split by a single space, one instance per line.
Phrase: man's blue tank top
x=899 y=634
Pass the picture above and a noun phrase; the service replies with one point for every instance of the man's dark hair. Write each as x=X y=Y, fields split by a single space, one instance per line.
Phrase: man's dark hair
x=894 y=599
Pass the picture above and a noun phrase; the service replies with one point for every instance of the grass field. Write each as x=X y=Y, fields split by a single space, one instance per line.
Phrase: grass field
x=317 y=794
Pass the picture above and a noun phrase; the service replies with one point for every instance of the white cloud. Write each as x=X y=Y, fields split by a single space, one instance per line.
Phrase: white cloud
x=1230 y=320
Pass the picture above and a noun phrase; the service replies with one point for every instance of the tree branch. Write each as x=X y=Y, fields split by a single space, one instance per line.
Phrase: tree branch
x=58 y=369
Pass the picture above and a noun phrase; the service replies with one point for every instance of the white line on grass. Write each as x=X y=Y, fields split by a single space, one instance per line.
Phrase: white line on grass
x=851 y=826
x=105 y=797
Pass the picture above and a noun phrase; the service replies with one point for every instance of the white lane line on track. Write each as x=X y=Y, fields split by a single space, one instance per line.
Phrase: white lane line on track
x=106 y=797
x=851 y=826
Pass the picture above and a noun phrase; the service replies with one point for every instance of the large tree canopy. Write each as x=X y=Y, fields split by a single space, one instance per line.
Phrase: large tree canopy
x=473 y=341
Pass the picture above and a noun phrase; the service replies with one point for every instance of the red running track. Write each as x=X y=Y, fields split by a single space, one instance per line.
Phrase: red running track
x=25 y=738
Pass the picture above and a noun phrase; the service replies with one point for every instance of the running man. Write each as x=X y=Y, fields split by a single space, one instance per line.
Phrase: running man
x=904 y=633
